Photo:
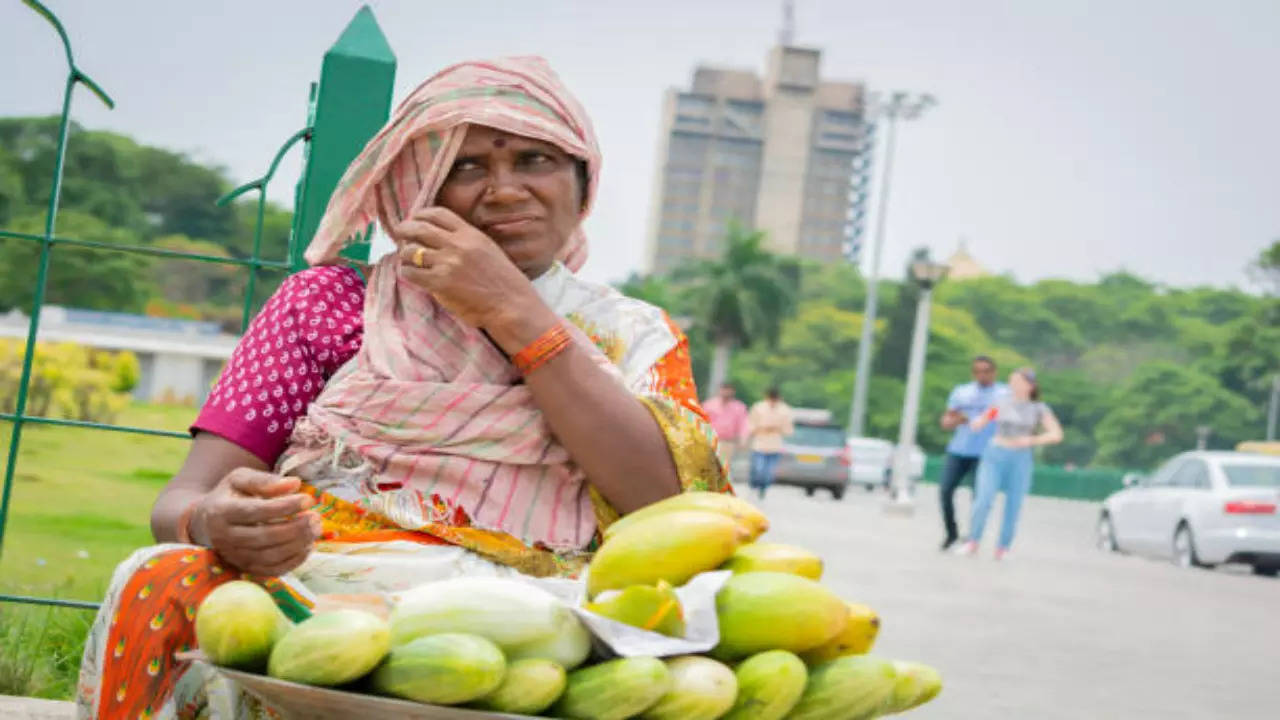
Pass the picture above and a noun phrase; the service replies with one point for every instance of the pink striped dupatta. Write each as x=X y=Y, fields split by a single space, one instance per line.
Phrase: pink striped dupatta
x=428 y=421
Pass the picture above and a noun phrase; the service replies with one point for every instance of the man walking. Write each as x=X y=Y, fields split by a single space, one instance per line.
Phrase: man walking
x=728 y=417
x=966 y=402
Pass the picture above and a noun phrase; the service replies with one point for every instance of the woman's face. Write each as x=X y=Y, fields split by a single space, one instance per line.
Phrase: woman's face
x=521 y=192
x=1020 y=385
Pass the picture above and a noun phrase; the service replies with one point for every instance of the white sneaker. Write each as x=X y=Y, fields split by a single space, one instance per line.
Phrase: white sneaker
x=1002 y=553
x=968 y=548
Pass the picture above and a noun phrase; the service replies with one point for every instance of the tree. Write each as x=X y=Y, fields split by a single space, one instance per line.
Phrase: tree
x=742 y=298
x=78 y=277
x=840 y=284
x=892 y=355
x=193 y=282
x=1267 y=268
x=1015 y=316
x=1250 y=355
x=652 y=289
x=13 y=195
x=1156 y=414
x=1080 y=401
x=811 y=361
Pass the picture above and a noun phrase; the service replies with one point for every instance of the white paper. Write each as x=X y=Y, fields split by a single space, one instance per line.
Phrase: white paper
x=702 y=629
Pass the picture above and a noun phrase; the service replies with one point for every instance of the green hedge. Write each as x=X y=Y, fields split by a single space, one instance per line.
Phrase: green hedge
x=1056 y=481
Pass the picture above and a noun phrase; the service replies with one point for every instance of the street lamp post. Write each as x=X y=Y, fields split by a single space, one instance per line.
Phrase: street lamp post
x=927 y=275
x=904 y=106
x=1273 y=409
x=1202 y=436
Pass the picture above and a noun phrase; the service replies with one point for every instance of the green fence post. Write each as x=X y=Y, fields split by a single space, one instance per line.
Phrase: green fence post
x=351 y=104
x=74 y=76
x=261 y=186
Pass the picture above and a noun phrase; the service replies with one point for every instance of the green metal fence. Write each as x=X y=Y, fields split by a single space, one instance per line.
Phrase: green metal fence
x=347 y=106
x=1055 y=481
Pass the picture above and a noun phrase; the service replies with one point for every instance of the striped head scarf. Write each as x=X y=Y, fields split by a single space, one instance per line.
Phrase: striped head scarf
x=429 y=422
x=404 y=165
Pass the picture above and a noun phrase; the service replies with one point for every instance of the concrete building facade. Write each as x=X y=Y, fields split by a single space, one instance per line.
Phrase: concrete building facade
x=774 y=153
x=178 y=360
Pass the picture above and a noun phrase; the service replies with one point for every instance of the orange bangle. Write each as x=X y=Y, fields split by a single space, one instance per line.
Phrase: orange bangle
x=183 y=530
x=541 y=351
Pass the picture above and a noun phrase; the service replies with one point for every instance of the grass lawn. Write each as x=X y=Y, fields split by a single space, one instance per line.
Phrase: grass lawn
x=81 y=503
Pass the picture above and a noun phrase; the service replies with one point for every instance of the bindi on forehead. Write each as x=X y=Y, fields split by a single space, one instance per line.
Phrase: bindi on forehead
x=499 y=142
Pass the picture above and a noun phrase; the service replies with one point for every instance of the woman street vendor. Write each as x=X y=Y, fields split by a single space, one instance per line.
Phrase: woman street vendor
x=476 y=409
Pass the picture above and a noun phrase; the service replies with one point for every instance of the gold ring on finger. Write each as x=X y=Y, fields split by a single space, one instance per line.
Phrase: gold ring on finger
x=419 y=256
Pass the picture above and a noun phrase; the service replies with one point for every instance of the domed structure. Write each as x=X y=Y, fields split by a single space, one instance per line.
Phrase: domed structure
x=962 y=266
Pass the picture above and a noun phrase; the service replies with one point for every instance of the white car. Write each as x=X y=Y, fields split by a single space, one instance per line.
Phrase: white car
x=872 y=462
x=1200 y=509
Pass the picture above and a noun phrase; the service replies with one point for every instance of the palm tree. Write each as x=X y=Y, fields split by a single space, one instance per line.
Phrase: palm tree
x=741 y=298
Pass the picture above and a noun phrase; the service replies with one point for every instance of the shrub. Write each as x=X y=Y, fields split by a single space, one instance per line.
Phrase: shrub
x=68 y=381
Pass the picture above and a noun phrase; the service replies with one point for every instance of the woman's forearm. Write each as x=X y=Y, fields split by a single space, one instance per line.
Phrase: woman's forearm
x=168 y=511
x=608 y=432
x=208 y=461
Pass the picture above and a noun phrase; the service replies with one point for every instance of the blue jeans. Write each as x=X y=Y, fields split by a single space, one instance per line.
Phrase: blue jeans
x=1001 y=470
x=762 y=467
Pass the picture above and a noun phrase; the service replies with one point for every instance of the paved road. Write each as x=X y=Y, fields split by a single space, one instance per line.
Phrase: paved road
x=1059 y=630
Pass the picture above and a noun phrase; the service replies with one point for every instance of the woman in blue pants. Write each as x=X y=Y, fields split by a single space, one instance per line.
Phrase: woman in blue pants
x=1022 y=423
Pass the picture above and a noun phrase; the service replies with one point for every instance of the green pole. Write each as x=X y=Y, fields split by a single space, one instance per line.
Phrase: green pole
x=352 y=102
x=46 y=248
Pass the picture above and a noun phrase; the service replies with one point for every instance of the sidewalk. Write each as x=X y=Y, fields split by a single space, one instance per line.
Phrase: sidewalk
x=18 y=708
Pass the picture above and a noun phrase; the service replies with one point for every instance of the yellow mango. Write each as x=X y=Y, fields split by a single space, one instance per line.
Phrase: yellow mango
x=751 y=519
x=857 y=638
x=775 y=557
x=672 y=546
x=761 y=611
x=650 y=607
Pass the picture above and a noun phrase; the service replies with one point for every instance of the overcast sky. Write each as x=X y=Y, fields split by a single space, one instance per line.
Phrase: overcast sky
x=1072 y=138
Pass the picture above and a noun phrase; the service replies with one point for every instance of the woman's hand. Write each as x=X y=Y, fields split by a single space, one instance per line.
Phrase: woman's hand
x=257 y=522
x=463 y=268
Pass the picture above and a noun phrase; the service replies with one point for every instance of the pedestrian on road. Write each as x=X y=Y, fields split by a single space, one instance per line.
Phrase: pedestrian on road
x=966 y=402
x=728 y=417
x=1022 y=423
x=769 y=422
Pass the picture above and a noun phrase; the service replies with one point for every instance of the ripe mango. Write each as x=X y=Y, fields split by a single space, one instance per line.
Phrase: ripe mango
x=775 y=557
x=776 y=611
x=671 y=546
x=751 y=519
x=858 y=636
x=650 y=607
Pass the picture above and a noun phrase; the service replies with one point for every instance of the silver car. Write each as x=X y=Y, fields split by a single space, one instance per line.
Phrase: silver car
x=873 y=462
x=1200 y=509
x=815 y=456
